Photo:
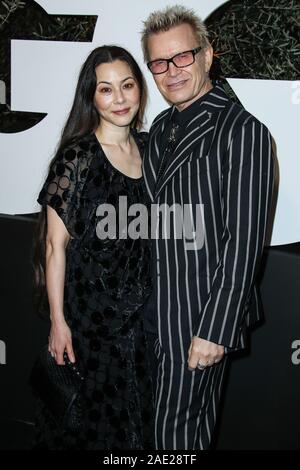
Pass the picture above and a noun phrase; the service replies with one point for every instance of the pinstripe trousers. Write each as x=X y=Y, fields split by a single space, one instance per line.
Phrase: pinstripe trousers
x=186 y=402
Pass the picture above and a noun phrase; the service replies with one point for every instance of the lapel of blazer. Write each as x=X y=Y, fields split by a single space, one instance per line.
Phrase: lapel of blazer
x=152 y=153
x=199 y=130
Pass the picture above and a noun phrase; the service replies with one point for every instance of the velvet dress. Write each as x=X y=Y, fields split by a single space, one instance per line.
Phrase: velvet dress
x=107 y=281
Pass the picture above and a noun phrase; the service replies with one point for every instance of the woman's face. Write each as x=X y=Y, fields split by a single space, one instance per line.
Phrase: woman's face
x=117 y=95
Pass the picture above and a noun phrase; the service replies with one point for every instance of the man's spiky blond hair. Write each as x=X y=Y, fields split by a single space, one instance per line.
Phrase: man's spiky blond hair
x=163 y=20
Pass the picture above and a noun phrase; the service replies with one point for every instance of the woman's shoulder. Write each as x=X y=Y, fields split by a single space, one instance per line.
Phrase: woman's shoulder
x=76 y=149
x=80 y=144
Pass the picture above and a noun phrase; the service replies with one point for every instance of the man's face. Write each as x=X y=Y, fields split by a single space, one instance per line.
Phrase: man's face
x=180 y=86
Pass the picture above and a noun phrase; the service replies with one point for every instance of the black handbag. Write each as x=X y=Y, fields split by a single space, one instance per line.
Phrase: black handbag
x=59 y=388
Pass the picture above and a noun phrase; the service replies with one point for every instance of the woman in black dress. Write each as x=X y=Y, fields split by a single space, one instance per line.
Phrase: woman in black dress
x=97 y=285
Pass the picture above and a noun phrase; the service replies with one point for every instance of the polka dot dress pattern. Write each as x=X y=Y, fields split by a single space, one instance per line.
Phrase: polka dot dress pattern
x=106 y=284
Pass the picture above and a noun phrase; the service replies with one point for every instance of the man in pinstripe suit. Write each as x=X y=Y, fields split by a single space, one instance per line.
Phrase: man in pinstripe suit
x=204 y=151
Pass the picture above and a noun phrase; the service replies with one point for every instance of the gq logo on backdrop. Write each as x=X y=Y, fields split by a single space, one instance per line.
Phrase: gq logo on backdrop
x=296 y=354
x=27 y=20
x=2 y=352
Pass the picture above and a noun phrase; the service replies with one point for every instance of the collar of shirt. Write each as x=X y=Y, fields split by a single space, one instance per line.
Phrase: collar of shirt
x=185 y=116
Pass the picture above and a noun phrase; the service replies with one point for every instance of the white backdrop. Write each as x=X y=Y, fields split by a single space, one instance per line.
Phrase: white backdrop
x=44 y=76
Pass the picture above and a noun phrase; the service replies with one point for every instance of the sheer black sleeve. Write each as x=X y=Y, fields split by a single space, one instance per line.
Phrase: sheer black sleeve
x=60 y=188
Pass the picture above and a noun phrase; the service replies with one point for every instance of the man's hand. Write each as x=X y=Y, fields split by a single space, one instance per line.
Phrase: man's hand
x=204 y=352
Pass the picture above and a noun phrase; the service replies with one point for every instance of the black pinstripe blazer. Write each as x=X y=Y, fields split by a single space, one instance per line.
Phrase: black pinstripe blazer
x=223 y=161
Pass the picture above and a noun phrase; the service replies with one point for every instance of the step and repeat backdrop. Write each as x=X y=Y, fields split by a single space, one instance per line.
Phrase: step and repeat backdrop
x=256 y=45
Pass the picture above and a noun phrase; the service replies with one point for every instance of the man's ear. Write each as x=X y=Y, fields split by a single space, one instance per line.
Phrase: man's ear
x=208 y=57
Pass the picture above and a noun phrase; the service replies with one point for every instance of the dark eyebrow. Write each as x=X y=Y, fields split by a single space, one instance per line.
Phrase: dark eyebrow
x=109 y=83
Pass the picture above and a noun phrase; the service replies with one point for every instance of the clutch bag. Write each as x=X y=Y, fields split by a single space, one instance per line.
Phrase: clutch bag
x=59 y=388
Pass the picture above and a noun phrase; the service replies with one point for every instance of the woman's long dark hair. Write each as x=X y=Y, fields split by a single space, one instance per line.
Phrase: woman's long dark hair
x=83 y=120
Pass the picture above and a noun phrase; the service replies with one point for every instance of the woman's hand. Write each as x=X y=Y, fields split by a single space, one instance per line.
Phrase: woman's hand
x=60 y=340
